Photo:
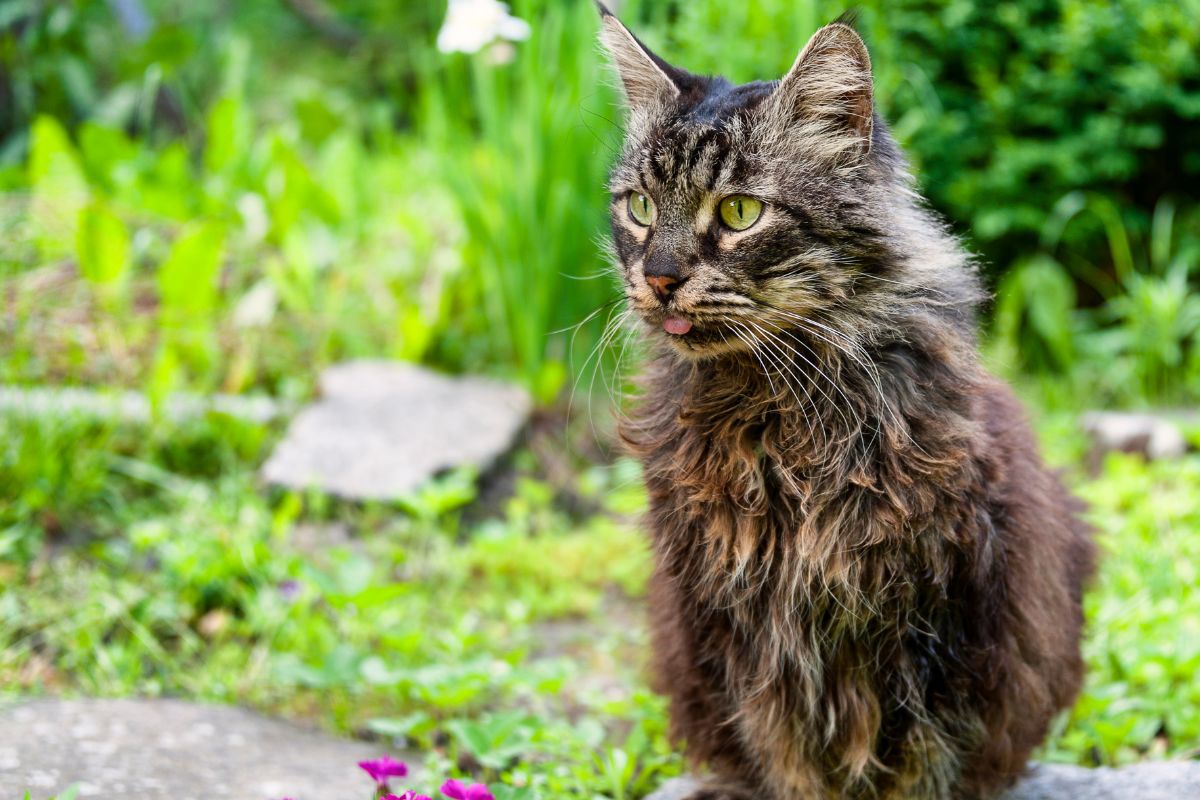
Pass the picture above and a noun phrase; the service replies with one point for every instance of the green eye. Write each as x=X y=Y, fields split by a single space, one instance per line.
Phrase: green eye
x=641 y=208
x=739 y=212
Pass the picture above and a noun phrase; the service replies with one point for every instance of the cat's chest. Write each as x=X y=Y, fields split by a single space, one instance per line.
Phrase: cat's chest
x=750 y=463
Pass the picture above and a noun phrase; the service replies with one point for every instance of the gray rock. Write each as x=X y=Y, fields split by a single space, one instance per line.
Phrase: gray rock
x=1158 y=780
x=1153 y=780
x=1151 y=435
x=678 y=789
x=381 y=429
x=172 y=750
x=132 y=407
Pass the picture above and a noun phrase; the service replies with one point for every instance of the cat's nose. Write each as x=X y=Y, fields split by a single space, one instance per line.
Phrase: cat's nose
x=664 y=285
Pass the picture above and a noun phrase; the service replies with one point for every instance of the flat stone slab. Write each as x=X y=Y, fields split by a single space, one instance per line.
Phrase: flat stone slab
x=1154 y=436
x=172 y=750
x=132 y=407
x=381 y=429
x=1154 y=780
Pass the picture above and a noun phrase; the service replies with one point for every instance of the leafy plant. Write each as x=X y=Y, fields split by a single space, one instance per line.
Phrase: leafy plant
x=1143 y=339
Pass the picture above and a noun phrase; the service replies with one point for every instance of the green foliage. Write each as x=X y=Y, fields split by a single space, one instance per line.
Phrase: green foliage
x=313 y=247
x=526 y=166
x=446 y=208
x=210 y=590
x=1143 y=340
x=1026 y=100
x=53 y=477
x=1143 y=647
x=60 y=190
x=241 y=197
x=513 y=644
x=102 y=247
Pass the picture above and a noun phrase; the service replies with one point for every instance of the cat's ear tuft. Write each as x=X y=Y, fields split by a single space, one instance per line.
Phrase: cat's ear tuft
x=646 y=78
x=830 y=83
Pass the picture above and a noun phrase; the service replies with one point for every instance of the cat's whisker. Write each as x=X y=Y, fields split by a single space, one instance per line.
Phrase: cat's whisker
x=597 y=353
x=781 y=364
x=754 y=352
x=610 y=333
x=847 y=346
x=616 y=379
x=858 y=420
x=575 y=328
x=907 y=285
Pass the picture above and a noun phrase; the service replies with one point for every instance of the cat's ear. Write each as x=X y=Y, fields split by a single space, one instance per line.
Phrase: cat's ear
x=647 y=79
x=830 y=83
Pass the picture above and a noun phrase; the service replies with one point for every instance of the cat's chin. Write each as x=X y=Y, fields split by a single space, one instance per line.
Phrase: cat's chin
x=697 y=344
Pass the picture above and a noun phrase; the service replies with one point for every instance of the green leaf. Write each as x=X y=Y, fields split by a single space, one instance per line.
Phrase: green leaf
x=187 y=280
x=102 y=245
x=399 y=727
x=227 y=132
x=60 y=189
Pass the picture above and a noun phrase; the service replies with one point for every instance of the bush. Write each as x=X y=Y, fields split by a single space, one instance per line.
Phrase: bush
x=1024 y=101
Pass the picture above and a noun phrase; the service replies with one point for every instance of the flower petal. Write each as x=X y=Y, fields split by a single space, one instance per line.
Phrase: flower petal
x=454 y=789
x=383 y=768
x=478 y=791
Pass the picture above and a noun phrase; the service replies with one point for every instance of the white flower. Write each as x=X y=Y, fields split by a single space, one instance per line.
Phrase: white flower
x=256 y=309
x=471 y=25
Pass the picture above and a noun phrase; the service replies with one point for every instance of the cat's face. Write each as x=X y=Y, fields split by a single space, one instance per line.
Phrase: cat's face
x=743 y=213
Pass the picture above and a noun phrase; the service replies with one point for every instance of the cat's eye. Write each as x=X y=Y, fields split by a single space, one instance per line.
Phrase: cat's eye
x=641 y=208
x=739 y=212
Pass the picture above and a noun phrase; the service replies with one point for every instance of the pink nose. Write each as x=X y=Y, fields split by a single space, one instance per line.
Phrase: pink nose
x=663 y=285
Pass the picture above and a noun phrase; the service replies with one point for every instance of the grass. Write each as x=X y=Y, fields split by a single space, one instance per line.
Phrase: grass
x=509 y=645
x=452 y=219
x=303 y=227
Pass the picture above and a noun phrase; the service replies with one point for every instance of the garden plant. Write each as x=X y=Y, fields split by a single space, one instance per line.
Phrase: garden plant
x=203 y=199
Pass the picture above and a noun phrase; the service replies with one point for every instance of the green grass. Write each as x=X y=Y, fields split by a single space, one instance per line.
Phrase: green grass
x=511 y=645
x=393 y=202
x=300 y=228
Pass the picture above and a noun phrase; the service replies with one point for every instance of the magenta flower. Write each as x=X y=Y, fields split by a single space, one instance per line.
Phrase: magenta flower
x=383 y=768
x=457 y=791
x=409 y=795
x=290 y=590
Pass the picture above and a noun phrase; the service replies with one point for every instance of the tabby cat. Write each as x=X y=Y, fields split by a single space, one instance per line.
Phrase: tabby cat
x=867 y=584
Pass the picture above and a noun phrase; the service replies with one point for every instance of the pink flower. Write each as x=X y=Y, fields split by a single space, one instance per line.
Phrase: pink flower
x=409 y=795
x=457 y=791
x=383 y=768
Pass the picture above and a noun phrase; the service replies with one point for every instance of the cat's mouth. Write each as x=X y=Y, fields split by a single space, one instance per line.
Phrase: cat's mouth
x=677 y=326
x=687 y=335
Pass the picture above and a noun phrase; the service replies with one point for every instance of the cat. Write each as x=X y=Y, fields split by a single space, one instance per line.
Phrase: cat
x=866 y=584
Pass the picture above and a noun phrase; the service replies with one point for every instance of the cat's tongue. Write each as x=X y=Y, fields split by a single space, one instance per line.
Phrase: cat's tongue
x=676 y=326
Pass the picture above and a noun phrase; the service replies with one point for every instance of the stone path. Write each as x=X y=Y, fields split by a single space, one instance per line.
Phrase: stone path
x=1156 y=436
x=1164 y=780
x=132 y=407
x=172 y=750
x=382 y=428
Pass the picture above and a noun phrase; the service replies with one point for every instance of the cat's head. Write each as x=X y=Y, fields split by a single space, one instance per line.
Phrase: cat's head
x=746 y=213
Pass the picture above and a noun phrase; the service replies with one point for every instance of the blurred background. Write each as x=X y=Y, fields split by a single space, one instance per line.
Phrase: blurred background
x=213 y=202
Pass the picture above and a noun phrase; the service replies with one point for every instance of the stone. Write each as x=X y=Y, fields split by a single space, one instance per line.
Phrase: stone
x=132 y=407
x=1152 y=780
x=173 y=750
x=1153 y=436
x=381 y=429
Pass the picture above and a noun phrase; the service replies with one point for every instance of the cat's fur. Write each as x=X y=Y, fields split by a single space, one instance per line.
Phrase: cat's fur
x=867 y=584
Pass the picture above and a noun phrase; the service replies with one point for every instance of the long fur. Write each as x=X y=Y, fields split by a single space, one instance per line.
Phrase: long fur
x=867 y=584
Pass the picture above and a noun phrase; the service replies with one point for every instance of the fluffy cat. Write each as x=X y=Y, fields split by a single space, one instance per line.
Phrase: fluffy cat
x=867 y=584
